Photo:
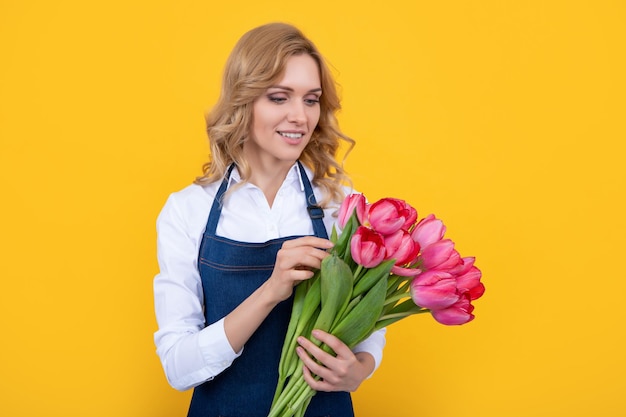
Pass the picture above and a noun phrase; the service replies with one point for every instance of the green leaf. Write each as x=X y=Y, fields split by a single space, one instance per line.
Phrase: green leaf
x=336 y=288
x=353 y=303
x=358 y=324
x=333 y=234
x=372 y=276
x=342 y=245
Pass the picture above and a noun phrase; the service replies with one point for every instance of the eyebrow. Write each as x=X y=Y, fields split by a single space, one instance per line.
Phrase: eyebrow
x=281 y=87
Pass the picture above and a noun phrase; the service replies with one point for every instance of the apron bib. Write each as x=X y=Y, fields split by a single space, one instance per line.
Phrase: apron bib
x=230 y=272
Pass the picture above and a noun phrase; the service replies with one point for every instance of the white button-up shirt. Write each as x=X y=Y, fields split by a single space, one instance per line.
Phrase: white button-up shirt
x=190 y=351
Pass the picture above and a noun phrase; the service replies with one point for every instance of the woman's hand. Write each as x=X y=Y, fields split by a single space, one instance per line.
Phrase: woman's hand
x=295 y=262
x=345 y=372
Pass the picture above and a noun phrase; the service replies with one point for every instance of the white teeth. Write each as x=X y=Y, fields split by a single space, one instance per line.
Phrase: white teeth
x=291 y=135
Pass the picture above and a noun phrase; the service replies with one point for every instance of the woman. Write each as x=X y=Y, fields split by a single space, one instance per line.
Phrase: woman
x=233 y=245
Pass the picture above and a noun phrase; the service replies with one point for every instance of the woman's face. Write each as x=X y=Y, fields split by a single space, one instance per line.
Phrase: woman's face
x=284 y=118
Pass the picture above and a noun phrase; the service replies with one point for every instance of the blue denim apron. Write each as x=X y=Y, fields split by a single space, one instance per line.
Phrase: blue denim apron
x=230 y=272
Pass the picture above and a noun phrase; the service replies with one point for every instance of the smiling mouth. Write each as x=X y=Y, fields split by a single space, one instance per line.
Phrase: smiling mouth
x=291 y=135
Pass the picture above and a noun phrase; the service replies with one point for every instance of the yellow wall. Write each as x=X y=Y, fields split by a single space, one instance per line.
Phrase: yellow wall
x=506 y=119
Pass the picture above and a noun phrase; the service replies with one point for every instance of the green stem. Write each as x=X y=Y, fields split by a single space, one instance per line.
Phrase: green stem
x=306 y=317
x=302 y=410
x=397 y=297
x=303 y=399
x=304 y=392
x=357 y=272
x=389 y=319
x=293 y=398
x=396 y=315
x=392 y=284
x=288 y=393
x=279 y=388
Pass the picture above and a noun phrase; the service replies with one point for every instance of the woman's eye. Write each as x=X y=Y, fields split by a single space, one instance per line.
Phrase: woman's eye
x=312 y=101
x=275 y=99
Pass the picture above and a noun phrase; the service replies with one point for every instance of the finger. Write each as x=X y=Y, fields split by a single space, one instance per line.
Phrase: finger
x=300 y=258
x=316 y=375
x=298 y=275
x=313 y=241
x=304 y=255
x=340 y=348
x=313 y=366
x=306 y=262
x=321 y=363
x=317 y=385
x=313 y=258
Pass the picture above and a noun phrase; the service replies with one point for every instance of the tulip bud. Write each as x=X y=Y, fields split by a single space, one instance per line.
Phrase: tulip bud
x=458 y=313
x=367 y=247
x=348 y=206
x=440 y=255
x=428 y=231
x=389 y=215
x=434 y=290
x=468 y=280
x=404 y=250
x=401 y=247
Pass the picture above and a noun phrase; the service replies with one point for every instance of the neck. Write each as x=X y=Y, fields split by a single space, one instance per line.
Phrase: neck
x=269 y=178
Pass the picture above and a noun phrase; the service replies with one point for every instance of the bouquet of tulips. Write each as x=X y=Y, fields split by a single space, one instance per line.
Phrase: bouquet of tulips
x=385 y=266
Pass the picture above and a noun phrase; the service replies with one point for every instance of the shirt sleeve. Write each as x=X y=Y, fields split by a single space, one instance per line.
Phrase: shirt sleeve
x=190 y=352
x=374 y=346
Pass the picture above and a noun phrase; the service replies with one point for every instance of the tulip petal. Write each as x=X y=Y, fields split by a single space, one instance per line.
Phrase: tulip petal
x=367 y=247
x=351 y=203
x=401 y=247
x=405 y=272
x=428 y=231
x=434 y=290
x=389 y=215
x=459 y=313
x=476 y=292
x=437 y=253
x=468 y=280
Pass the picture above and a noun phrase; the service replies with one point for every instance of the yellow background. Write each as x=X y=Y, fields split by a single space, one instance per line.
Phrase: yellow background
x=506 y=119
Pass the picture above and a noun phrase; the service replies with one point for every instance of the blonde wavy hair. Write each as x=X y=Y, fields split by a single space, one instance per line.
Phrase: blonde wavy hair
x=256 y=63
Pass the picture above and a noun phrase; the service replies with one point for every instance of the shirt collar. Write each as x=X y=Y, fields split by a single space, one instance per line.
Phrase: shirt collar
x=293 y=175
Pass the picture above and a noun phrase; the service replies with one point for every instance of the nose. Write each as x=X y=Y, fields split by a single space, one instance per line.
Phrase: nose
x=297 y=113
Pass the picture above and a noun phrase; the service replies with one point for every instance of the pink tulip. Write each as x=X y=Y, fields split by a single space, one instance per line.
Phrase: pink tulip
x=458 y=313
x=401 y=247
x=464 y=266
x=389 y=215
x=440 y=255
x=367 y=247
x=428 y=231
x=434 y=290
x=468 y=280
x=410 y=215
x=476 y=292
x=348 y=206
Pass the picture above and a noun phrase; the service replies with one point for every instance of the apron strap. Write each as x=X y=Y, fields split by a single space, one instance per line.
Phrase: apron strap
x=315 y=212
x=216 y=209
